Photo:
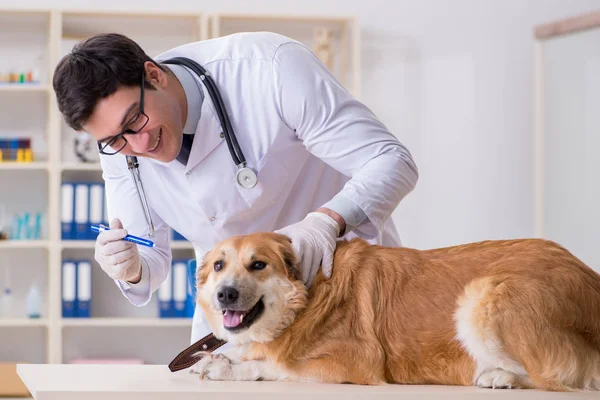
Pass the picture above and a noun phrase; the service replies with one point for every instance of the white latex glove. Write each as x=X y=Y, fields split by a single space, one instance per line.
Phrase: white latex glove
x=120 y=259
x=313 y=241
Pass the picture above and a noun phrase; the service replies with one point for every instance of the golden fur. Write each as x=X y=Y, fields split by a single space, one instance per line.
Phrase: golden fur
x=510 y=313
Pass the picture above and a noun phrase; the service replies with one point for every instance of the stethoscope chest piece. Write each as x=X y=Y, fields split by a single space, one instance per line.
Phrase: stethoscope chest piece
x=246 y=177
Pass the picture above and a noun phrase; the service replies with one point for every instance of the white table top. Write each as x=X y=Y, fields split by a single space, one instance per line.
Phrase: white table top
x=150 y=382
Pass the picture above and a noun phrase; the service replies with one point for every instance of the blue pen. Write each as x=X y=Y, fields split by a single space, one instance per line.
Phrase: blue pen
x=129 y=238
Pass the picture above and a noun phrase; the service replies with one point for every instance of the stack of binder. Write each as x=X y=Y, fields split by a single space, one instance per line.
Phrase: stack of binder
x=76 y=288
x=82 y=204
x=176 y=294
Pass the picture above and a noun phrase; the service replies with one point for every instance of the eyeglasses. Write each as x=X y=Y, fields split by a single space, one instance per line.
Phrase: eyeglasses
x=135 y=124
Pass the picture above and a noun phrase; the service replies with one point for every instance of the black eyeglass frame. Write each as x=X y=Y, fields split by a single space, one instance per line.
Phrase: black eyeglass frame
x=126 y=130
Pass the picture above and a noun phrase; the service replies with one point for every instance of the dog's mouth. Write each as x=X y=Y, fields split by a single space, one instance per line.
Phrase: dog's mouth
x=234 y=320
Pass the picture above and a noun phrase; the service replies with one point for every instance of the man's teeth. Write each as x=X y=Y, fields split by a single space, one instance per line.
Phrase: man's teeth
x=157 y=141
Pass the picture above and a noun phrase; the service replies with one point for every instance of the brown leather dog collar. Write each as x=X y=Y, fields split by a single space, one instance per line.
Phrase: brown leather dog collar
x=186 y=358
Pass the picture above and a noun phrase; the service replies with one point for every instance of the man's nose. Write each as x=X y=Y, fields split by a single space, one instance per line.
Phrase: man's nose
x=139 y=142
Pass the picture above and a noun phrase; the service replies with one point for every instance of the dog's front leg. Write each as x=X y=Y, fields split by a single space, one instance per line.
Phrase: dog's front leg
x=219 y=367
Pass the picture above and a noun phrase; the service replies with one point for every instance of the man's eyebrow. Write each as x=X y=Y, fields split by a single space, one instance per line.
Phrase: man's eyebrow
x=123 y=120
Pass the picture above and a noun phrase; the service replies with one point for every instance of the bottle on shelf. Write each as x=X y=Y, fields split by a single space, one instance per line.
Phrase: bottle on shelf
x=33 y=302
x=6 y=304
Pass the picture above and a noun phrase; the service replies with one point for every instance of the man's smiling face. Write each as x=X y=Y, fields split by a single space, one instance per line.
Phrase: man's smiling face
x=159 y=128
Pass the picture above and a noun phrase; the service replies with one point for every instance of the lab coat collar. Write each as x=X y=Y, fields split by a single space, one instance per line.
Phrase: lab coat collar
x=207 y=136
x=194 y=96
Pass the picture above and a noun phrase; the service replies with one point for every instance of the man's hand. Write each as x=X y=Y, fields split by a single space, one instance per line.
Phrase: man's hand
x=313 y=241
x=120 y=259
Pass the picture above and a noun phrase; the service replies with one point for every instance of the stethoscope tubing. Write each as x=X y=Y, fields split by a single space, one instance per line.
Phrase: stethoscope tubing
x=232 y=143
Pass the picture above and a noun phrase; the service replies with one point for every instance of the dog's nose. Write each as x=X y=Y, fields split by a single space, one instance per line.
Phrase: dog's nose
x=228 y=295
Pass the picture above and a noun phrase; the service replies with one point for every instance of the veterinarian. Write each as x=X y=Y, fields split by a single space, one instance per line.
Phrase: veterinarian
x=317 y=166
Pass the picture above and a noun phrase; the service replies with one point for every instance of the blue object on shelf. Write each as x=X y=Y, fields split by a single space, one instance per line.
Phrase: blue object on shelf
x=191 y=299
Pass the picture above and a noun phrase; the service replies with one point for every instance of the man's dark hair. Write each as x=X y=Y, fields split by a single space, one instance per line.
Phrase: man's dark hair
x=95 y=69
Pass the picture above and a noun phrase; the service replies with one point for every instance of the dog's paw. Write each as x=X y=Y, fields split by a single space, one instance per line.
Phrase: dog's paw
x=498 y=379
x=197 y=368
x=216 y=367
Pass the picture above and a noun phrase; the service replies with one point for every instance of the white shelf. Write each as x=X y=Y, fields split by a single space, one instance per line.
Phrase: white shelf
x=28 y=166
x=181 y=245
x=127 y=322
x=23 y=322
x=24 y=244
x=25 y=87
x=81 y=167
x=78 y=244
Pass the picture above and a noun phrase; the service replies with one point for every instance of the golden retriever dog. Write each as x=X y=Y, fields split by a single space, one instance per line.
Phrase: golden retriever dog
x=497 y=314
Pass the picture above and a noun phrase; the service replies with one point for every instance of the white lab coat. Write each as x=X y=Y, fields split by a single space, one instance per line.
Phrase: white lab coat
x=310 y=142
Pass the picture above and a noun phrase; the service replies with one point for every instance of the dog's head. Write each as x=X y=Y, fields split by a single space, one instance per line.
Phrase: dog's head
x=248 y=289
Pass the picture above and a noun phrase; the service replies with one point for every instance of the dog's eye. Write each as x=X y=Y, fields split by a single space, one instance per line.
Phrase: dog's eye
x=258 y=265
x=218 y=266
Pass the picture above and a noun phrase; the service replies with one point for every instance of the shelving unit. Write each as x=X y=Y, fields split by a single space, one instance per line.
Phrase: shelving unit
x=15 y=166
x=125 y=322
x=24 y=244
x=116 y=328
x=24 y=322
x=16 y=88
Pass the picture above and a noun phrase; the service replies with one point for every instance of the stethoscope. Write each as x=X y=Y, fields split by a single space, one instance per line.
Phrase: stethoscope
x=245 y=176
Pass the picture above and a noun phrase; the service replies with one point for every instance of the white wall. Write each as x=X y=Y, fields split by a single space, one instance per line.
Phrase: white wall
x=454 y=80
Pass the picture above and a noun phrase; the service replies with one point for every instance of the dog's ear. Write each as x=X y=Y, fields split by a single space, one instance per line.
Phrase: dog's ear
x=284 y=246
x=201 y=262
x=289 y=258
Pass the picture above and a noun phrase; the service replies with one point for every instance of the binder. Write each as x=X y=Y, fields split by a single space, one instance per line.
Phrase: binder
x=179 y=269
x=104 y=206
x=69 y=276
x=190 y=304
x=177 y=294
x=84 y=289
x=67 y=207
x=177 y=236
x=165 y=297
x=96 y=215
x=82 y=211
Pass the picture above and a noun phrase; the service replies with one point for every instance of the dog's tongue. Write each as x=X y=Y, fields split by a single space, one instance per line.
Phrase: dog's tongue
x=231 y=319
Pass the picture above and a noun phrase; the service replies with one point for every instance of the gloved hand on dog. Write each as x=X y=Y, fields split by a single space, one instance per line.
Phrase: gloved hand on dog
x=120 y=259
x=313 y=241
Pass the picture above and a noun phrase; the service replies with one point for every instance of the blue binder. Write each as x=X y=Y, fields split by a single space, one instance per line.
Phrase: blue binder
x=69 y=289
x=177 y=294
x=67 y=217
x=96 y=208
x=165 y=297
x=191 y=295
x=82 y=211
x=84 y=289
x=177 y=236
x=180 y=289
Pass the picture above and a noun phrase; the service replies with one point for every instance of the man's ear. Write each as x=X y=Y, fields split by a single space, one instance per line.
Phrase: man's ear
x=154 y=75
